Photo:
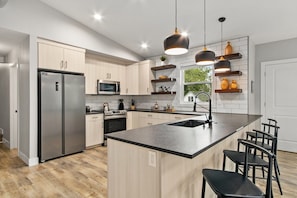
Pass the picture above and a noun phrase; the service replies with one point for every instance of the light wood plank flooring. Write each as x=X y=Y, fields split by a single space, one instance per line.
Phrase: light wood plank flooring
x=85 y=175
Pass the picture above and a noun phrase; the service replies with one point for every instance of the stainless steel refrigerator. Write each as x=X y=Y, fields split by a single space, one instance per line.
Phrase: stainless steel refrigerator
x=61 y=104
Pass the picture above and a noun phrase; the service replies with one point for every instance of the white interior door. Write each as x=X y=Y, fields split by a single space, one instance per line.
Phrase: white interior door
x=279 y=99
x=14 y=141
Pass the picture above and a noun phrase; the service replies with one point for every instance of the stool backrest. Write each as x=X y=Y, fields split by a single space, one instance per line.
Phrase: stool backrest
x=248 y=147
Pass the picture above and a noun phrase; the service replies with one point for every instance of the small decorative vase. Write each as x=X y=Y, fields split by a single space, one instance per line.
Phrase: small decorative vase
x=224 y=84
x=228 y=49
x=233 y=84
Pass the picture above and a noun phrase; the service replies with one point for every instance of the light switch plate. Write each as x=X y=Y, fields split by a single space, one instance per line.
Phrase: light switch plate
x=152 y=159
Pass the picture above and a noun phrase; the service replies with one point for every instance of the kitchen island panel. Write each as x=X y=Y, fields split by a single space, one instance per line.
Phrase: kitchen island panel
x=129 y=172
x=182 y=177
x=131 y=176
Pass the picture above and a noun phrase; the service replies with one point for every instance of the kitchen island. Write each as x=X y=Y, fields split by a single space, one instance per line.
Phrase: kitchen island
x=165 y=161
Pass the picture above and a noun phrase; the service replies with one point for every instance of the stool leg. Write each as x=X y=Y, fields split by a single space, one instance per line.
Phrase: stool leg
x=277 y=178
x=277 y=167
x=224 y=162
x=203 y=188
x=254 y=174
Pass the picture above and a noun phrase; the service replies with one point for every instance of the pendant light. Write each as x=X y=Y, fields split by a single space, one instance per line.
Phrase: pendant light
x=222 y=65
x=205 y=57
x=176 y=44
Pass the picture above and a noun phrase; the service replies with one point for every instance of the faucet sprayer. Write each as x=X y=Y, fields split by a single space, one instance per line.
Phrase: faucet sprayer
x=209 y=101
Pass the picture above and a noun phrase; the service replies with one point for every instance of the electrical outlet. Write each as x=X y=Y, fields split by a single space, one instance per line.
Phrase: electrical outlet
x=152 y=159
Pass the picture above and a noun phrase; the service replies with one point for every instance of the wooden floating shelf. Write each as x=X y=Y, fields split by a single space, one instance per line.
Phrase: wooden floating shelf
x=230 y=73
x=164 y=80
x=231 y=56
x=168 y=93
x=163 y=67
x=228 y=91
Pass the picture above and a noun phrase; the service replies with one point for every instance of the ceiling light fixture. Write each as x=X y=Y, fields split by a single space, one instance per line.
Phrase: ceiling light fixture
x=222 y=65
x=205 y=57
x=98 y=17
x=177 y=43
x=144 y=46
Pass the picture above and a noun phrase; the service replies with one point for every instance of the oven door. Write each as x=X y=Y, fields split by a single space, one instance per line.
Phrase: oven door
x=114 y=125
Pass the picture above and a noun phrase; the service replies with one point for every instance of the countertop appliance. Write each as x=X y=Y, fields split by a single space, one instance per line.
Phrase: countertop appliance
x=105 y=87
x=121 y=105
x=114 y=121
x=61 y=114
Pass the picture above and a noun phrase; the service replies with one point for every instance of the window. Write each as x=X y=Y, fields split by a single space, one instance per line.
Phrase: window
x=195 y=79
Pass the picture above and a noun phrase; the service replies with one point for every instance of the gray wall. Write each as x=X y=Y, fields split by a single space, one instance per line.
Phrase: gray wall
x=279 y=50
x=4 y=100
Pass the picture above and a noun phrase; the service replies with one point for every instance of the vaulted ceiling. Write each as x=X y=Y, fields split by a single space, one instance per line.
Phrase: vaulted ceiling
x=131 y=22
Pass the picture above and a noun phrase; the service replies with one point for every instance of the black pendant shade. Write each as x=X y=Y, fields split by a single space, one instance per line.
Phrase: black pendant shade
x=222 y=65
x=176 y=44
x=205 y=57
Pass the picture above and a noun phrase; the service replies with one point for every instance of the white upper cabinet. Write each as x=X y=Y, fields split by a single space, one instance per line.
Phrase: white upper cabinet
x=60 y=57
x=98 y=69
x=132 y=79
x=138 y=78
x=145 y=77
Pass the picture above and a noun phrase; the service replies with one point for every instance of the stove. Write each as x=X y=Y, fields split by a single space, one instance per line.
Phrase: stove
x=115 y=114
x=114 y=121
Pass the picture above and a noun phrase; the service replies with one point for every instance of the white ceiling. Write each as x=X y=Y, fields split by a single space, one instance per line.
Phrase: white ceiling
x=130 y=22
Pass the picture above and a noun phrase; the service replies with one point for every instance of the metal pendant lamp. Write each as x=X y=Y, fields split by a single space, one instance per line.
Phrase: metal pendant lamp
x=222 y=65
x=205 y=57
x=176 y=44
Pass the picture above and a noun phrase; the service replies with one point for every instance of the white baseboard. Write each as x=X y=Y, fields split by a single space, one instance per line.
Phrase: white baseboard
x=289 y=146
x=5 y=142
x=29 y=161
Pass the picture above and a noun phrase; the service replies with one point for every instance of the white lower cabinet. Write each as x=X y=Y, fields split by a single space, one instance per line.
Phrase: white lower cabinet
x=149 y=119
x=132 y=120
x=143 y=119
x=94 y=130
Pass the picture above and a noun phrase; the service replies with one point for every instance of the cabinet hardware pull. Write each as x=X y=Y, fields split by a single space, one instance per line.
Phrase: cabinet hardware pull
x=61 y=65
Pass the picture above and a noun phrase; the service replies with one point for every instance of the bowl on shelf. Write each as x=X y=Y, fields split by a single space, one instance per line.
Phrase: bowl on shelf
x=163 y=77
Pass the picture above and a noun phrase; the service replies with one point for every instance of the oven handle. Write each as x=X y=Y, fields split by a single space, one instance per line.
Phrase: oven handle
x=112 y=117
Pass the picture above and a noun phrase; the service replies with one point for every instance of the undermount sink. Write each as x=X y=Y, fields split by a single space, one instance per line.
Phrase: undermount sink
x=189 y=123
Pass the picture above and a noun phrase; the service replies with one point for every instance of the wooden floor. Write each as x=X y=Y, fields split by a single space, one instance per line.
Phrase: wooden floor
x=85 y=175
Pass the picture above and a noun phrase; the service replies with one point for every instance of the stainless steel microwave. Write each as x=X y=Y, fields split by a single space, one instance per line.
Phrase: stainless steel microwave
x=106 y=87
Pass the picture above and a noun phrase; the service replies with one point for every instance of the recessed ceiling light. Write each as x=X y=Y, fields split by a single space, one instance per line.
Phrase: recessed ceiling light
x=144 y=46
x=98 y=17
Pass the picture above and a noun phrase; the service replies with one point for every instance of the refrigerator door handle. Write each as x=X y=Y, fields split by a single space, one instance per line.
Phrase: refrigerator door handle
x=57 y=86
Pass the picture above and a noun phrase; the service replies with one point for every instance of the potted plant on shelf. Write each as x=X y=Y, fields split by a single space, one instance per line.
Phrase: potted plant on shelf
x=163 y=59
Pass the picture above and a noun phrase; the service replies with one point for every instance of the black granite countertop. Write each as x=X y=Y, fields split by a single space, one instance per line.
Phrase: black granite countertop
x=175 y=112
x=184 y=141
x=94 y=112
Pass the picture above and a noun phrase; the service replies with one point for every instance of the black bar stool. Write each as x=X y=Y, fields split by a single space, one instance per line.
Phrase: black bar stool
x=266 y=128
x=253 y=159
x=233 y=184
